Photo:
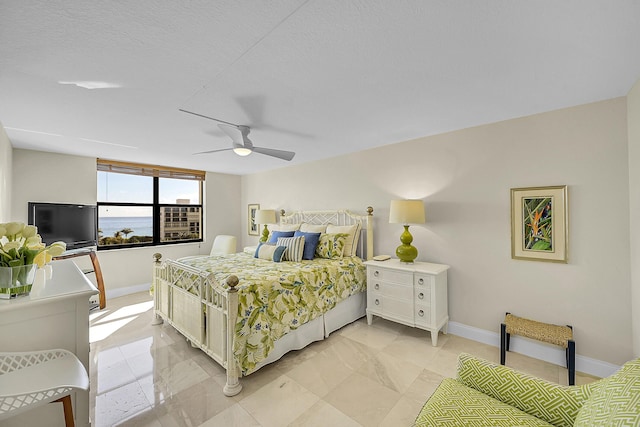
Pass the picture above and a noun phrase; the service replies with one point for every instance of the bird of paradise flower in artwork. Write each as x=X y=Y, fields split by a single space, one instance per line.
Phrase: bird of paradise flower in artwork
x=538 y=224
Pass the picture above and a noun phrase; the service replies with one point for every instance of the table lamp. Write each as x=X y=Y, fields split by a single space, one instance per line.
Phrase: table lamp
x=265 y=216
x=406 y=212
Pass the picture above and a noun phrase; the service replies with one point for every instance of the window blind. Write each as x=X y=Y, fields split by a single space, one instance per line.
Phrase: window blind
x=149 y=170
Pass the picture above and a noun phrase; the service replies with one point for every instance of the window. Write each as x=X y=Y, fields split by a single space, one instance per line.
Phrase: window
x=144 y=205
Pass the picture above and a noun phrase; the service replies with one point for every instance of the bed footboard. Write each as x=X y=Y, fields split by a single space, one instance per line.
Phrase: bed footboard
x=199 y=308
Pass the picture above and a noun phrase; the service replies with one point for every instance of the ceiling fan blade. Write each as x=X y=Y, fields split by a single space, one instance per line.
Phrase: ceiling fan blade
x=280 y=154
x=232 y=132
x=212 y=151
x=207 y=117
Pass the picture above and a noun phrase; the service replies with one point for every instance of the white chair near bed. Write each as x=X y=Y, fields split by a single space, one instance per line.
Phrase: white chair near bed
x=223 y=244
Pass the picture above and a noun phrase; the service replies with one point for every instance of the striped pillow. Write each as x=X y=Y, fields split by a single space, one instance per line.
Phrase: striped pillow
x=295 y=247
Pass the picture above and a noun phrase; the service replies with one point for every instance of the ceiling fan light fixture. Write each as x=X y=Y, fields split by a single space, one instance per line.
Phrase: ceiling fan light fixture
x=242 y=151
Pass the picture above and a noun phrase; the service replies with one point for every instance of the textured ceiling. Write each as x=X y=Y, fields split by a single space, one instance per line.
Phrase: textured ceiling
x=318 y=77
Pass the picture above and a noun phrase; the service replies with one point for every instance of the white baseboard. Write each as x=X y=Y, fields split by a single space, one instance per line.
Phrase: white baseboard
x=535 y=349
x=119 y=292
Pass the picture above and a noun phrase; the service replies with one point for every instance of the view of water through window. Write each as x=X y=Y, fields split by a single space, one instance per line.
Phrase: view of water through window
x=139 y=225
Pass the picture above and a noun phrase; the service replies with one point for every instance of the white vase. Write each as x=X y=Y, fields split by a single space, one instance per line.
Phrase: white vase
x=48 y=271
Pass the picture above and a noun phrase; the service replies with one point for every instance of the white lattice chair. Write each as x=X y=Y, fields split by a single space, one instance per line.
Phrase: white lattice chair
x=35 y=378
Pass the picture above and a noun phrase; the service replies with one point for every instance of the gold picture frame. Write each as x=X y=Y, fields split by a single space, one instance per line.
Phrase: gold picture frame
x=540 y=224
x=252 y=227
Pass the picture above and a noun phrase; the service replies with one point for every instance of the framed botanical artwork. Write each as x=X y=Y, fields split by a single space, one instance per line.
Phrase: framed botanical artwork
x=539 y=223
x=251 y=217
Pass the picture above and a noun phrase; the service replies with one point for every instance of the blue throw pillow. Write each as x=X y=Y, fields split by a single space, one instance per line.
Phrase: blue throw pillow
x=276 y=234
x=310 y=243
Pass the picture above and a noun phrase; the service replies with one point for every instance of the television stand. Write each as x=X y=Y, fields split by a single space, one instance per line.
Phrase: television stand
x=91 y=252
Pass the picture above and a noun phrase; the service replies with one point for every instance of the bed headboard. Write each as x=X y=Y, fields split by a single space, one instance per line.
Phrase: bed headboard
x=338 y=217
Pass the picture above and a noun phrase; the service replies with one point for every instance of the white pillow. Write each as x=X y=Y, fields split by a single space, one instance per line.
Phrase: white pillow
x=313 y=228
x=295 y=247
x=283 y=227
x=351 y=245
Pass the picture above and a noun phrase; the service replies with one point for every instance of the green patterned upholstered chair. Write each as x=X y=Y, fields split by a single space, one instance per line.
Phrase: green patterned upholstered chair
x=488 y=394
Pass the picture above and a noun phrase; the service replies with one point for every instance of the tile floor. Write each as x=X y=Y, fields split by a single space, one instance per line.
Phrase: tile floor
x=378 y=375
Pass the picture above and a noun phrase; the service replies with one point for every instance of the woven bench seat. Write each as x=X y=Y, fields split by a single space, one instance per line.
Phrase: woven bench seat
x=559 y=335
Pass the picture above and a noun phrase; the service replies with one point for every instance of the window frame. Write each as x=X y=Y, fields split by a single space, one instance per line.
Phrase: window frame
x=156 y=173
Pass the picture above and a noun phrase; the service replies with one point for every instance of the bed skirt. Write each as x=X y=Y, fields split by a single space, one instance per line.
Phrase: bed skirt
x=345 y=312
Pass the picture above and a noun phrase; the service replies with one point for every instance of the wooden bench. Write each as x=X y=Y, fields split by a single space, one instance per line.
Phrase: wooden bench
x=553 y=334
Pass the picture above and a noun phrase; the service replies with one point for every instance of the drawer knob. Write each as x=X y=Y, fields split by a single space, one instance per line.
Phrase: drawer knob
x=421 y=281
x=421 y=313
x=376 y=273
x=377 y=286
x=377 y=302
x=421 y=295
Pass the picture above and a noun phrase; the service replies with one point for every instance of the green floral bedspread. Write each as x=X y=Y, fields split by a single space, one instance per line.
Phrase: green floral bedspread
x=276 y=298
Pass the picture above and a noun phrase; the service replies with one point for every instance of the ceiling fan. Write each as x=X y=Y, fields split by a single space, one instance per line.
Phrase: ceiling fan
x=242 y=145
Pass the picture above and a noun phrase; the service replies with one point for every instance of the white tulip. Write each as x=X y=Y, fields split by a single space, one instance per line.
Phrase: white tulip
x=14 y=228
x=34 y=240
x=57 y=248
x=39 y=246
x=29 y=231
x=11 y=245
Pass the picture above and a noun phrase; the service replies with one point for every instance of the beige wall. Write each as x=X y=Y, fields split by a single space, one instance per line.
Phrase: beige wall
x=464 y=178
x=633 y=123
x=6 y=162
x=73 y=179
x=49 y=177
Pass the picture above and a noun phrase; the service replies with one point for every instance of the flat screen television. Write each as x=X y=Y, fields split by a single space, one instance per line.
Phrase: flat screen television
x=72 y=223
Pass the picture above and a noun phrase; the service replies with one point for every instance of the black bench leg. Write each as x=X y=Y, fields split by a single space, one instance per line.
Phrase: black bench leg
x=503 y=342
x=571 y=361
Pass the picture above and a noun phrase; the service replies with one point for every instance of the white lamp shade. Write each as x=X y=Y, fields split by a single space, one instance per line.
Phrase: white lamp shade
x=406 y=212
x=265 y=216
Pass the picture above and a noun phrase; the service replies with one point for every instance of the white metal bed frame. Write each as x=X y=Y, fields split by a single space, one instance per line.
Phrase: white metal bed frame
x=206 y=315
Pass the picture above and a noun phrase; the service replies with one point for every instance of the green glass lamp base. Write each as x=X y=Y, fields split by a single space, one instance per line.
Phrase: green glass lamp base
x=405 y=252
x=265 y=234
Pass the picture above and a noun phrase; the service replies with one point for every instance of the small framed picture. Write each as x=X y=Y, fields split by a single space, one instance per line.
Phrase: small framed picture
x=539 y=224
x=251 y=217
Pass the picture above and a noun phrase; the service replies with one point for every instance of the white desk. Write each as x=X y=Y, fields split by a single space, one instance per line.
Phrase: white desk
x=54 y=315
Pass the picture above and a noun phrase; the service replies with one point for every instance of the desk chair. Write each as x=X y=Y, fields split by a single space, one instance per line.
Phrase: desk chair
x=31 y=379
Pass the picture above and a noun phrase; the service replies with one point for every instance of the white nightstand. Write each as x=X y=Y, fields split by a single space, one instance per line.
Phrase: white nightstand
x=412 y=294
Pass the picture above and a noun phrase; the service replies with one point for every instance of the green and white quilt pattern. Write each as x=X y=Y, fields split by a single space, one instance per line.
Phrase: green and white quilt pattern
x=275 y=298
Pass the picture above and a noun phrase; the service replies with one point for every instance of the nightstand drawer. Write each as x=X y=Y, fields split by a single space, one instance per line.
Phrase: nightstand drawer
x=423 y=296
x=422 y=315
x=424 y=281
x=392 y=276
x=392 y=290
x=374 y=302
x=398 y=309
